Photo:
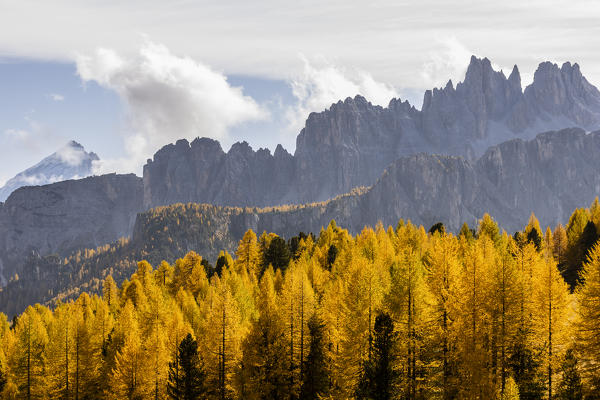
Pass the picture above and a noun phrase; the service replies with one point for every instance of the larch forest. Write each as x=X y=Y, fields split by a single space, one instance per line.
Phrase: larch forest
x=391 y=313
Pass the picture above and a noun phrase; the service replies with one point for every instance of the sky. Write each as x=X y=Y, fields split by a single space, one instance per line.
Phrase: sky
x=126 y=78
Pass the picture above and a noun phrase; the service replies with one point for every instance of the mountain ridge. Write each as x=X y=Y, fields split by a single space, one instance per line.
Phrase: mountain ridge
x=352 y=142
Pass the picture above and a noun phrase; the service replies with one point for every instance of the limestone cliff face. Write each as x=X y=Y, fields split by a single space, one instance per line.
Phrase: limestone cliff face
x=564 y=92
x=68 y=215
x=352 y=142
x=202 y=172
x=552 y=175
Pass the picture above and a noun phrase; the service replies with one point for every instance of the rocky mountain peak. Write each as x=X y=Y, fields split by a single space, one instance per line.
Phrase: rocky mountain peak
x=206 y=144
x=69 y=162
x=515 y=78
x=281 y=152
x=565 y=91
x=240 y=148
x=478 y=67
x=74 y=144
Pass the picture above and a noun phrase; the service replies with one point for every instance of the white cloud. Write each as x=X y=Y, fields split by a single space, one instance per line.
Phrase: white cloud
x=39 y=179
x=33 y=137
x=322 y=83
x=24 y=146
x=71 y=155
x=262 y=38
x=56 y=97
x=42 y=179
x=449 y=60
x=18 y=134
x=166 y=97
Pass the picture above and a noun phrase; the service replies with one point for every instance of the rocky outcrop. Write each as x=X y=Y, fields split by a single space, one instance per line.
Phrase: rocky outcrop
x=352 y=142
x=564 y=92
x=67 y=216
x=202 y=172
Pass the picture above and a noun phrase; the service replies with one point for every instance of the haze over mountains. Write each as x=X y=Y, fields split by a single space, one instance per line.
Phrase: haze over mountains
x=428 y=165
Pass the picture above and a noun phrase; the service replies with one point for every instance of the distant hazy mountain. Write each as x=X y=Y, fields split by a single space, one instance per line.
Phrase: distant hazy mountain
x=69 y=162
x=351 y=143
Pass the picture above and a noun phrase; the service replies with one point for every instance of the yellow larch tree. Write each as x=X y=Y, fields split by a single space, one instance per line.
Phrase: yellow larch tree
x=587 y=324
x=28 y=356
x=443 y=274
x=364 y=281
x=551 y=321
x=504 y=305
x=155 y=345
x=110 y=293
x=408 y=304
x=59 y=352
x=333 y=306
x=559 y=239
x=130 y=368
x=221 y=340
x=297 y=301
x=475 y=320
x=247 y=254
x=163 y=275
x=189 y=274
x=265 y=349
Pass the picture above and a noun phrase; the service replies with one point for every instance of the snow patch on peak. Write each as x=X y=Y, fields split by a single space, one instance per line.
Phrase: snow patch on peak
x=69 y=162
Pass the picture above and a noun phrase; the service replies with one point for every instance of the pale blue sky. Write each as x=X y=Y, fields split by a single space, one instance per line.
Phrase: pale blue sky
x=49 y=102
x=45 y=104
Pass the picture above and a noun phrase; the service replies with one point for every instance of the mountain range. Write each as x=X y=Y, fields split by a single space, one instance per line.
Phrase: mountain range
x=471 y=149
x=352 y=142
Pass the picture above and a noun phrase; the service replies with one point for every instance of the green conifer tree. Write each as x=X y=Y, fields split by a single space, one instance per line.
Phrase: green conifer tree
x=379 y=378
x=315 y=379
x=186 y=373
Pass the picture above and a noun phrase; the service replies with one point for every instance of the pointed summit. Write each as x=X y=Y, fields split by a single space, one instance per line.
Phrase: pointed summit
x=514 y=83
x=74 y=144
x=515 y=75
x=474 y=67
x=69 y=162
x=572 y=73
x=565 y=91
x=478 y=67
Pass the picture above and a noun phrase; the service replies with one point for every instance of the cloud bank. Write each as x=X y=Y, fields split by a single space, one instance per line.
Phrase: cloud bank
x=71 y=155
x=322 y=83
x=449 y=60
x=166 y=98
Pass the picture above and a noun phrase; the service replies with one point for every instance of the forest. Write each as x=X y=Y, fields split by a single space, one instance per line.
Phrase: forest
x=390 y=313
